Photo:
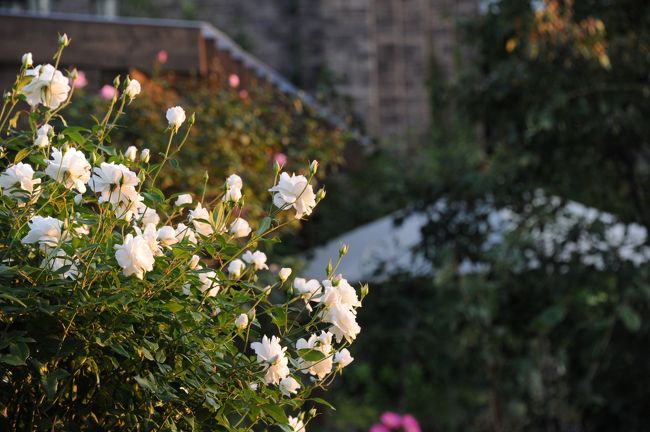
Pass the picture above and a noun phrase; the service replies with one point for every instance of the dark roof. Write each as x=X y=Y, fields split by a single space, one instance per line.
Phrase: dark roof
x=134 y=42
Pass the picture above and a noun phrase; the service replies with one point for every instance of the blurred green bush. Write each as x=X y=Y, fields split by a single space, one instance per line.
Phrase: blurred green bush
x=236 y=131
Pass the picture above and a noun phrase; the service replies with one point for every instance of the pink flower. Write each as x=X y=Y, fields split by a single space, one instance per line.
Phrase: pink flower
x=378 y=428
x=162 y=56
x=410 y=424
x=81 y=80
x=107 y=92
x=280 y=158
x=391 y=419
x=243 y=94
x=233 y=80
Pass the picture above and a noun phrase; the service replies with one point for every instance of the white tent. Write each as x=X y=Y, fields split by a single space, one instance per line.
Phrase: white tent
x=381 y=248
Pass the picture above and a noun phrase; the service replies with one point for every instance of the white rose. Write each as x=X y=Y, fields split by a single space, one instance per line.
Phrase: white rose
x=115 y=182
x=294 y=191
x=175 y=116
x=58 y=259
x=308 y=290
x=200 y=218
x=183 y=199
x=194 y=261
x=134 y=256
x=344 y=322
x=151 y=237
x=133 y=89
x=236 y=267
x=322 y=343
x=289 y=386
x=257 y=258
x=343 y=358
x=240 y=228
x=148 y=216
x=70 y=169
x=167 y=236
x=284 y=273
x=16 y=178
x=27 y=60
x=271 y=354
x=341 y=293
x=43 y=136
x=296 y=424
x=233 y=188
x=242 y=321
x=145 y=155
x=48 y=86
x=47 y=231
x=131 y=153
x=184 y=232
x=209 y=283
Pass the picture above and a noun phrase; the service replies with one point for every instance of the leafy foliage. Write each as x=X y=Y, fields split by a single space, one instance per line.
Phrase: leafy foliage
x=109 y=323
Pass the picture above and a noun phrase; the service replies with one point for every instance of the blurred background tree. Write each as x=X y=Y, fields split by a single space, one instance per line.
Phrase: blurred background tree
x=544 y=337
x=237 y=131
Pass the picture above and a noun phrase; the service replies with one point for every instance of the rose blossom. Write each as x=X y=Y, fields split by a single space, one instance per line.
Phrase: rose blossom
x=70 y=168
x=18 y=177
x=175 y=116
x=236 y=267
x=47 y=231
x=289 y=386
x=271 y=354
x=294 y=191
x=257 y=258
x=233 y=188
x=48 y=86
x=240 y=228
x=343 y=358
x=198 y=217
x=242 y=321
x=133 y=89
x=391 y=420
x=108 y=92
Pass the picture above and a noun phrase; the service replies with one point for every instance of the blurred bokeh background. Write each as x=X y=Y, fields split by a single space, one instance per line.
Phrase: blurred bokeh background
x=486 y=161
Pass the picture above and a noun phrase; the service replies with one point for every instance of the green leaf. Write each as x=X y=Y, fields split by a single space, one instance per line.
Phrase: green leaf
x=74 y=135
x=173 y=307
x=264 y=226
x=277 y=413
x=323 y=402
x=311 y=354
x=118 y=348
x=631 y=319
x=22 y=154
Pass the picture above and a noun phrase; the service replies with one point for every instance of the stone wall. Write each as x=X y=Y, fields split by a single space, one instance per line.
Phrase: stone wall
x=377 y=53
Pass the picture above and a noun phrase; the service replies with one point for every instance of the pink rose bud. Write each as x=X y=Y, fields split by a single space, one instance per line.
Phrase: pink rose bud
x=378 y=428
x=410 y=424
x=391 y=419
x=162 y=56
x=280 y=158
x=108 y=92
x=243 y=94
x=81 y=80
x=233 y=80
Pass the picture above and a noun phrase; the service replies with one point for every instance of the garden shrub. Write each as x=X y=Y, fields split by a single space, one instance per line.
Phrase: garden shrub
x=123 y=308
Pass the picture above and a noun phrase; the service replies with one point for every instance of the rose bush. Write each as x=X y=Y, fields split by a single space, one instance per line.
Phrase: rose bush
x=126 y=309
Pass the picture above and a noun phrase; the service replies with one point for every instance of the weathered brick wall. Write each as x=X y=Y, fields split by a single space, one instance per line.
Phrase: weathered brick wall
x=378 y=51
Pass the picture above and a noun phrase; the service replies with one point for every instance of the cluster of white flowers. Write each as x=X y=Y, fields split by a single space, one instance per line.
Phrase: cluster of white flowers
x=140 y=244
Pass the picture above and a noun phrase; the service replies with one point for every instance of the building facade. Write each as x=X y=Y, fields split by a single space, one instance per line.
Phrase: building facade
x=371 y=57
